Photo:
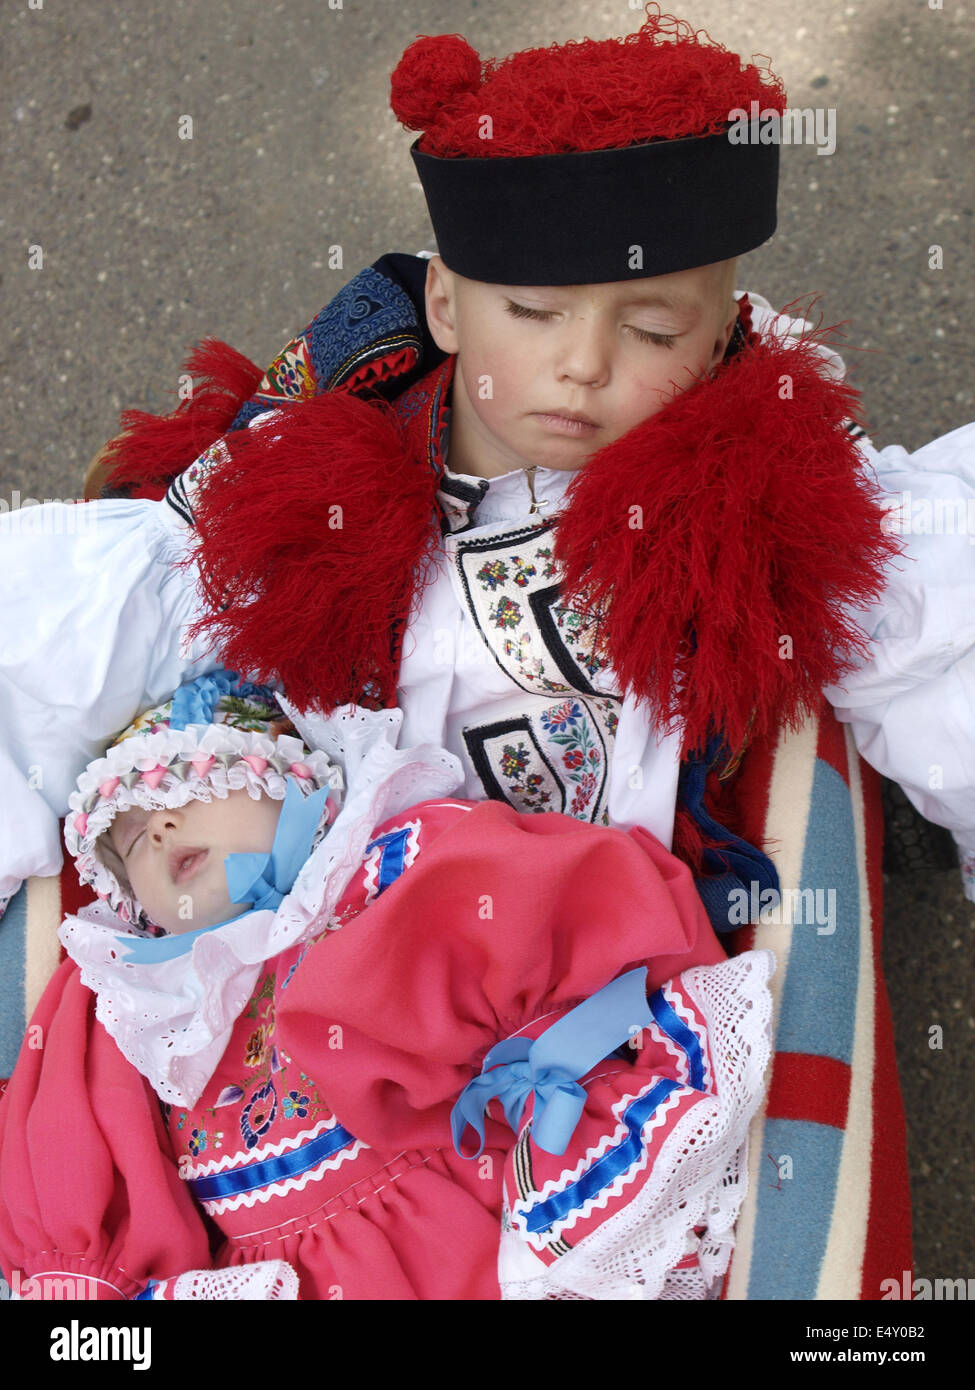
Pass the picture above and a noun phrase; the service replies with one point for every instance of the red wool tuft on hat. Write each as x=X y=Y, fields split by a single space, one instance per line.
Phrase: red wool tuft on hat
x=666 y=81
x=432 y=73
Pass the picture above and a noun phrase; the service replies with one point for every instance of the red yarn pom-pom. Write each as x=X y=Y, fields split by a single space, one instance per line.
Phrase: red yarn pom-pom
x=432 y=73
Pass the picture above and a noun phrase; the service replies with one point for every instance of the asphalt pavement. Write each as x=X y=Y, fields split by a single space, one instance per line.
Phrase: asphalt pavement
x=193 y=168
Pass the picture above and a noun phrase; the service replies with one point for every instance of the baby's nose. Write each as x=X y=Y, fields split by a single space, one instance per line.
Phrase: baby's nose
x=163 y=822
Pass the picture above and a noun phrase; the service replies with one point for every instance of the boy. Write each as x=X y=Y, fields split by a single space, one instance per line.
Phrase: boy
x=574 y=646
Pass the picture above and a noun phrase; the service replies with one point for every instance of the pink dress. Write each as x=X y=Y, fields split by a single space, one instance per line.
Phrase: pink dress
x=323 y=1138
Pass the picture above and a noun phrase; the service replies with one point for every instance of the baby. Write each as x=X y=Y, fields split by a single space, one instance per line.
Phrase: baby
x=393 y=1103
x=183 y=829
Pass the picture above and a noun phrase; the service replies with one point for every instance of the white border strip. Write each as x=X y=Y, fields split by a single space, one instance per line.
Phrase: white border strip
x=790 y=795
x=42 y=949
x=841 y=1273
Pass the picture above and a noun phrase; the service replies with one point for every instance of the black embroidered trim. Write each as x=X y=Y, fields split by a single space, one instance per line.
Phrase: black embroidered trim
x=176 y=498
x=539 y=602
x=555 y=644
x=481 y=546
x=475 y=739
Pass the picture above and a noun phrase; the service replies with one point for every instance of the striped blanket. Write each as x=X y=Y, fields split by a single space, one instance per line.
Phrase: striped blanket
x=827 y=1214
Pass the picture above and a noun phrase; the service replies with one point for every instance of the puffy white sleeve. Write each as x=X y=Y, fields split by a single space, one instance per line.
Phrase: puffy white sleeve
x=92 y=615
x=911 y=706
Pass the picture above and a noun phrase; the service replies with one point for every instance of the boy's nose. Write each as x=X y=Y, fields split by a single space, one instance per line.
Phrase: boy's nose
x=585 y=352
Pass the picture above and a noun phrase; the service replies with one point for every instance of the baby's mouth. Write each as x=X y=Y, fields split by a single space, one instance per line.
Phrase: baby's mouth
x=186 y=861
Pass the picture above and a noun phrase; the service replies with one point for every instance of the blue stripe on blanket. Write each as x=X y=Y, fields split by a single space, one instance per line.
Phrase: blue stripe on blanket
x=818 y=1015
x=13 y=1024
x=793 y=1213
x=818 y=1010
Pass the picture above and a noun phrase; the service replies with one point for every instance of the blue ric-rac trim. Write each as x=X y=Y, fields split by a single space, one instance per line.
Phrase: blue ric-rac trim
x=674 y=1026
x=608 y=1167
x=287 y=1165
x=392 y=857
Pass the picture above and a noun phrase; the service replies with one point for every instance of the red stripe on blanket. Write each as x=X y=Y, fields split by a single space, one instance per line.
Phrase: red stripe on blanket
x=888 y=1249
x=831 y=742
x=808 y=1087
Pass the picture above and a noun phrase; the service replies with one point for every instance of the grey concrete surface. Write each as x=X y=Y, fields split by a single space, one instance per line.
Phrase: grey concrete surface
x=151 y=241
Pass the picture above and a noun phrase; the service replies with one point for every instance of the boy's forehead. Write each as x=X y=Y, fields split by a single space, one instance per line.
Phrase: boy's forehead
x=681 y=291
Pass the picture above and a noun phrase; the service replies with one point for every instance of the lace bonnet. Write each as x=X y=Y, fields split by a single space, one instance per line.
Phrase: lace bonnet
x=217 y=734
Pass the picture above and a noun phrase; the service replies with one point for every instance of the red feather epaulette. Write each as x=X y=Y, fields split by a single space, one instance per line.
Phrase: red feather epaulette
x=315 y=535
x=722 y=541
x=153 y=449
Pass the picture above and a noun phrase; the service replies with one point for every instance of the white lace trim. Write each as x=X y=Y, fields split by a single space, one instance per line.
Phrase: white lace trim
x=265 y=1280
x=172 y=1019
x=699 y=1184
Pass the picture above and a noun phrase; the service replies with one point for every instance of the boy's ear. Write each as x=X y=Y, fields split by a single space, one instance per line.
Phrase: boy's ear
x=440 y=294
x=724 y=337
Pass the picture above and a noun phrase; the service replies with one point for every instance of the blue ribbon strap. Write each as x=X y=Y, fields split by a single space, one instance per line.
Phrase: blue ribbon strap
x=147 y=950
x=264 y=879
x=550 y=1066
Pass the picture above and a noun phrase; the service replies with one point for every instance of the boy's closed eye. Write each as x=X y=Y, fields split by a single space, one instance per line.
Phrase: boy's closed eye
x=522 y=311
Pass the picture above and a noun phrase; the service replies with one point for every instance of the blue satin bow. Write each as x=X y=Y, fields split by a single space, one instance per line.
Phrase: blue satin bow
x=551 y=1065
x=259 y=879
x=263 y=879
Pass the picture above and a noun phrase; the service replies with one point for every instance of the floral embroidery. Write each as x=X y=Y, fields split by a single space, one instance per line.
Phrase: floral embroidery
x=256 y=1044
x=544 y=552
x=566 y=724
x=514 y=760
x=218 y=452
x=531 y=668
x=583 y=795
x=560 y=718
x=295 y=1104
x=228 y=1096
x=534 y=796
x=524 y=572
x=492 y=573
x=197 y=1142
x=259 y=1114
x=506 y=613
x=612 y=717
x=145 y=722
x=291 y=375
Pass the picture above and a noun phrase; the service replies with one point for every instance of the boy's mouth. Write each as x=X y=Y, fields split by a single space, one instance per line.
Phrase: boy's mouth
x=568 y=423
x=185 y=862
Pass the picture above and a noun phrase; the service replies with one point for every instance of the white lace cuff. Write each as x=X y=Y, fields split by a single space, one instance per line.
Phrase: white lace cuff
x=673 y=1238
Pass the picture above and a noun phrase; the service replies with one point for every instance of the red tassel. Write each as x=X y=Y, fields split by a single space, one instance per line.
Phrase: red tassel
x=312 y=536
x=741 y=512
x=688 y=841
x=155 y=448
